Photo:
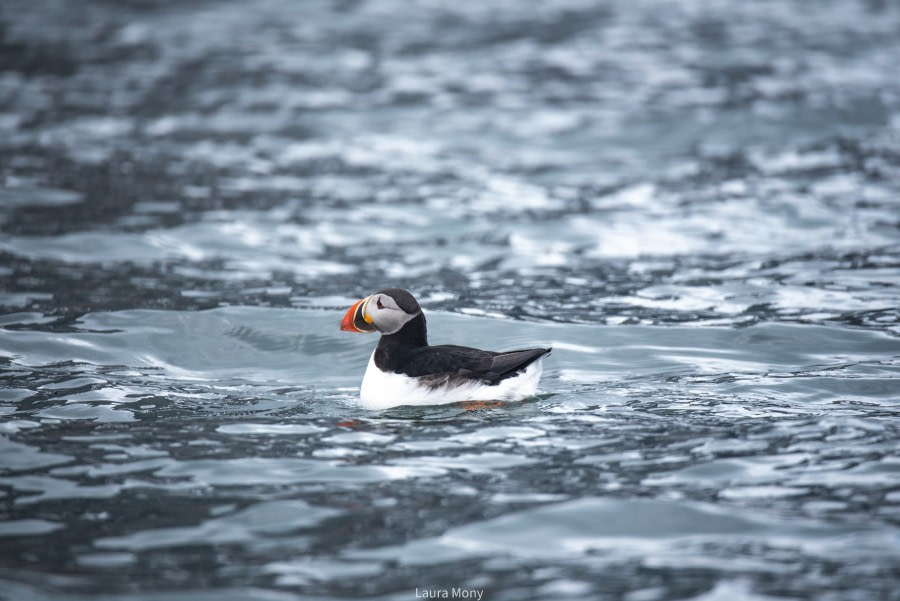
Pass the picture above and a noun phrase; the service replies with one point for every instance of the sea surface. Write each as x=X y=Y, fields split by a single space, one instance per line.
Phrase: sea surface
x=697 y=204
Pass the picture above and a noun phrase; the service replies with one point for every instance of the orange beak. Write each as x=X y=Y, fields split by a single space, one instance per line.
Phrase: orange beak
x=356 y=319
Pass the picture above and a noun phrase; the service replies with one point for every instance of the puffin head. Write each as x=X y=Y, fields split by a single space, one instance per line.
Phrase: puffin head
x=386 y=312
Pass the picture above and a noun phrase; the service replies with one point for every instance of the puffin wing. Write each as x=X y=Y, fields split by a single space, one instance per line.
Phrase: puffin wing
x=508 y=364
x=454 y=365
x=447 y=359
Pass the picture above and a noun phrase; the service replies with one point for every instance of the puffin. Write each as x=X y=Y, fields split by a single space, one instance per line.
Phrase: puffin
x=405 y=370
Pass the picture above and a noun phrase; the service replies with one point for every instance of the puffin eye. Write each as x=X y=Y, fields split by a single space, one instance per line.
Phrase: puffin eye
x=378 y=303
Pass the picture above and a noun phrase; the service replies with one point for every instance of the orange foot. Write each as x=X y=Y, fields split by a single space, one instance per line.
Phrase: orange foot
x=475 y=405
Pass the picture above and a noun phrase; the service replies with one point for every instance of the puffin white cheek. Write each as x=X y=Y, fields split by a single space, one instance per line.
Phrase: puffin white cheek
x=390 y=320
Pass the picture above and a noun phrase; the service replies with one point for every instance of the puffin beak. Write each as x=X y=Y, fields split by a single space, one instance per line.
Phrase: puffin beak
x=356 y=319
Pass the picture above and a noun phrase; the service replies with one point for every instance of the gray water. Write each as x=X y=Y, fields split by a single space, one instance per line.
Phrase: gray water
x=695 y=203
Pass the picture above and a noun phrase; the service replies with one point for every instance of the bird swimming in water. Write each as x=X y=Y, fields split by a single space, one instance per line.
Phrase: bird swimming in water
x=405 y=370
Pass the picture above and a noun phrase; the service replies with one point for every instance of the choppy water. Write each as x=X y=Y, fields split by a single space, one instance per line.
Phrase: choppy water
x=695 y=203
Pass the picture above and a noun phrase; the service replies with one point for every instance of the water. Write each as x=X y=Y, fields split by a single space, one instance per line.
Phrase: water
x=696 y=204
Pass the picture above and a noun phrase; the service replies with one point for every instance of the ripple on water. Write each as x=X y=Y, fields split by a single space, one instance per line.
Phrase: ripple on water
x=695 y=203
x=31 y=527
x=273 y=471
x=262 y=519
x=601 y=528
x=18 y=457
x=281 y=429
